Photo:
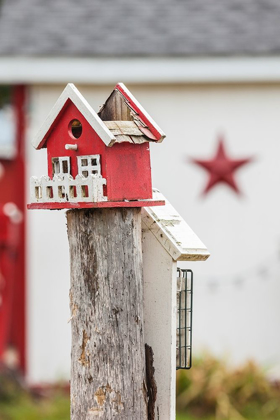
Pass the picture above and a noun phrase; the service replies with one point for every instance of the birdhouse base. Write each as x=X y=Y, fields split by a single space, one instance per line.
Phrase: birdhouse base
x=101 y=204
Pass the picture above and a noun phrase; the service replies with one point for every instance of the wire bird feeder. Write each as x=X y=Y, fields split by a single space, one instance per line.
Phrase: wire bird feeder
x=184 y=319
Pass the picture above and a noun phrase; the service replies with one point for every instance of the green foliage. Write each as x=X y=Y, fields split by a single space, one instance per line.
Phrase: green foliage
x=17 y=402
x=212 y=390
x=10 y=386
x=5 y=92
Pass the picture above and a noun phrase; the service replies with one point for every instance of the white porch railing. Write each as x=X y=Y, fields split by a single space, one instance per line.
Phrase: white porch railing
x=65 y=188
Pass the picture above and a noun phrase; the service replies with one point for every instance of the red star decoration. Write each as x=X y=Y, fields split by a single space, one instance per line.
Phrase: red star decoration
x=221 y=168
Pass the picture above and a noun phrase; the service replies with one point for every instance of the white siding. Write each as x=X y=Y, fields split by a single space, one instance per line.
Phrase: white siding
x=160 y=285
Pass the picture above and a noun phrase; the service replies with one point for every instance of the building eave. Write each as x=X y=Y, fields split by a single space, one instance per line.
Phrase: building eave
x=100 y=71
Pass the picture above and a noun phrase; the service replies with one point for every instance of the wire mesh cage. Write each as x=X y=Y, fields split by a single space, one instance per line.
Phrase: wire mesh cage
x=184 y=319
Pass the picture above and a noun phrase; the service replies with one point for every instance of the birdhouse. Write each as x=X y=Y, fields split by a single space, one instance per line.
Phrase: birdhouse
x=167 y=240
x=96 y=160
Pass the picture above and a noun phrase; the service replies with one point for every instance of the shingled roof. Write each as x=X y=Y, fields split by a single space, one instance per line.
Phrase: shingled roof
x=143 y=28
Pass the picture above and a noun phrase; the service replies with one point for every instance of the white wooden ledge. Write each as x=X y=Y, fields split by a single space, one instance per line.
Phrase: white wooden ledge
x=174 y=234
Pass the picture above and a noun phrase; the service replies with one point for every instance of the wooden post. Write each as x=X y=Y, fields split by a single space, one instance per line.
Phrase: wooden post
x=106 y=299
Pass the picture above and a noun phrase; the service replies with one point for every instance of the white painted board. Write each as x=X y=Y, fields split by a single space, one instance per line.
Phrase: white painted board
x=160 y=285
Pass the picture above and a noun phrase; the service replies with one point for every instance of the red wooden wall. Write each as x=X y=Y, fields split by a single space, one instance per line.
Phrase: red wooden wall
x=12 y=241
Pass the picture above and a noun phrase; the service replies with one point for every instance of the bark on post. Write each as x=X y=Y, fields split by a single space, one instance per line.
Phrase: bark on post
x=106 y=299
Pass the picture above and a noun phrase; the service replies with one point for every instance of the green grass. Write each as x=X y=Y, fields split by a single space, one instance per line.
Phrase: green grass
x=26 y=408
x=255 y=416
x=18 y=402
x=57 y=408
x=185 y=417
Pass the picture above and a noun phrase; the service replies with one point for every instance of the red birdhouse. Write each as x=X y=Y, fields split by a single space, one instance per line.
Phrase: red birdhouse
x=96 y=160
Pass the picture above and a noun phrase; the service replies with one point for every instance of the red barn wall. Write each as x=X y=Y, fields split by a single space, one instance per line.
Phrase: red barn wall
x=12 y=241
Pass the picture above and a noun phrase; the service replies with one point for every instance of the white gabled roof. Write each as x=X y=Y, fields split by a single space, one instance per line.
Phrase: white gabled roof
x=72 y=93
x=173 y=233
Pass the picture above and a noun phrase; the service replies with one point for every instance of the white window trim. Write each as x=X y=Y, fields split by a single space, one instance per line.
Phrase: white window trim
x=60 y=163
x=89 y=168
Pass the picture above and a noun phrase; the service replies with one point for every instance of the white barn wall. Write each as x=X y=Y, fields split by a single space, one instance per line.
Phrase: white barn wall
x=242 y=234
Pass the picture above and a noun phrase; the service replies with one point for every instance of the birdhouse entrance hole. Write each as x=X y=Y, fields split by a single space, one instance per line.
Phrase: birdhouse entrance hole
x=75 y=129
x=184 y=319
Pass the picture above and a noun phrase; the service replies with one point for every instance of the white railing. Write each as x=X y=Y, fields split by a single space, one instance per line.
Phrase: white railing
x=65 y=188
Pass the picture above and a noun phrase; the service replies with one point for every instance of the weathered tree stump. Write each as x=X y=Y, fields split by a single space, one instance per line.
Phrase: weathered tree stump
x=106 y=299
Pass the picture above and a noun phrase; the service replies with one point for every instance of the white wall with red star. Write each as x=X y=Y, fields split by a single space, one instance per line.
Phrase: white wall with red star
x=236 y=309
x=236 y=292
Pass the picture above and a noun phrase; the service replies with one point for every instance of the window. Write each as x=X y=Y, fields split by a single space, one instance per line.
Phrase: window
x=89 y=165
x=61 y=166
